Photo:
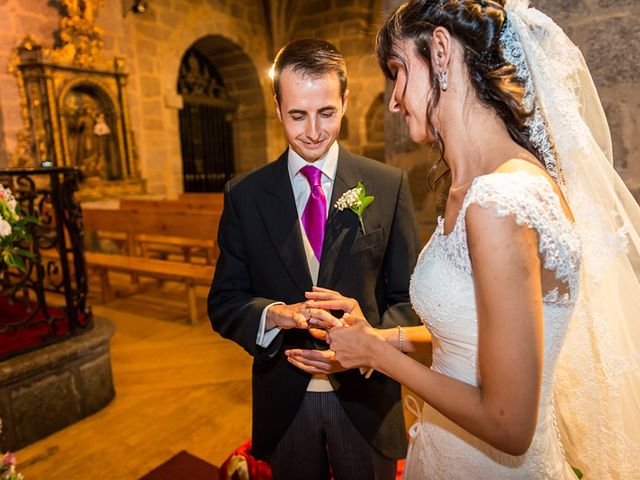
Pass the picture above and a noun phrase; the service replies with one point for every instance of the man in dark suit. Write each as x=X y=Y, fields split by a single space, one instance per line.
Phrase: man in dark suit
x=280 y=234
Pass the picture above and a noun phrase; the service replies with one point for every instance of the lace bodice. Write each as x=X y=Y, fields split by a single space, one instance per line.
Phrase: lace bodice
x=442 y=294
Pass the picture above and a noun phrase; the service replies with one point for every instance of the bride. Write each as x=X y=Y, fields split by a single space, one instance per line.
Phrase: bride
x=528 y=285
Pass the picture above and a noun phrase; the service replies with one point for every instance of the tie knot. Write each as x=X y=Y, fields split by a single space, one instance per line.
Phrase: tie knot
x=313 y=175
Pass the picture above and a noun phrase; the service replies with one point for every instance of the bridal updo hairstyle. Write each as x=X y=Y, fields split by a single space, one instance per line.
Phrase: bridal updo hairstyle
x=477 y=25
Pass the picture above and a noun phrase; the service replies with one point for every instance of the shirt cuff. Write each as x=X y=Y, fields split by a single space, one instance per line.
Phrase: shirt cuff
x=265 y=338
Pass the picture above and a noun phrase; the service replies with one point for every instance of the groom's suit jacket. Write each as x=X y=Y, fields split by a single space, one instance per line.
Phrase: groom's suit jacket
x=262 y=260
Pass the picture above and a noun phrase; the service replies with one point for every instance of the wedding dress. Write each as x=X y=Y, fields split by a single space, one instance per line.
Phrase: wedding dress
x=590 y=397
x=442 y=294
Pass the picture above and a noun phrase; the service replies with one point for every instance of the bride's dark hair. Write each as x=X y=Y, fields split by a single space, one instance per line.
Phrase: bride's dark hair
x=477 y=25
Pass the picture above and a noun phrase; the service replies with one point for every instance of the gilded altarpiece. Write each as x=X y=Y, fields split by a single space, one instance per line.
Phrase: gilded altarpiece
x=74 y=107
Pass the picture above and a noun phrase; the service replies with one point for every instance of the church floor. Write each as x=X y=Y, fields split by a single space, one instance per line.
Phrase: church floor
x=178 y=387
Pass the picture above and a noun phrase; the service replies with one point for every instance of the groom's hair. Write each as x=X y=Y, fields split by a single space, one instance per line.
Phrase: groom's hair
x=310 y=57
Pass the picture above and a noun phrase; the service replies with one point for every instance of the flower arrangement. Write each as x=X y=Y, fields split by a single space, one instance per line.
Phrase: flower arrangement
x=8 y=465
x=13 y=231
x=356 y=200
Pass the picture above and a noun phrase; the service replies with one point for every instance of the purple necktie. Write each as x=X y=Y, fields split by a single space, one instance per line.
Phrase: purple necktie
x=315 y=212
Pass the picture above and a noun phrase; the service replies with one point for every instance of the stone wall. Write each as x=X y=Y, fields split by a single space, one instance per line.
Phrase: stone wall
x=350 y=26
x=153 y=45
x=160 y=37
x=608 y=33
x=240 y=39
x=17 y=18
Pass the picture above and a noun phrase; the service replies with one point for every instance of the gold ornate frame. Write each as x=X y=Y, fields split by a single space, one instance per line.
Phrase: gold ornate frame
x=46 y=76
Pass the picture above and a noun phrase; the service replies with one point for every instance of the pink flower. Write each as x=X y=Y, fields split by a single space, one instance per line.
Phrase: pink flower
x=5 y=228
x=8 y=459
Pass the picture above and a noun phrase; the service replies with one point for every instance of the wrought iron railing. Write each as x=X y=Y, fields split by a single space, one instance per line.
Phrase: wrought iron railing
x=48 y=299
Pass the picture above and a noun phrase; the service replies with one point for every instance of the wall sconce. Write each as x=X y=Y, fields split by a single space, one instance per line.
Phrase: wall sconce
x=139 y=6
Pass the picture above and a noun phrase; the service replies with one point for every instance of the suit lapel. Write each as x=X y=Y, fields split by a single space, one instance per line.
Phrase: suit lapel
x=278 y=209
x=342 y=227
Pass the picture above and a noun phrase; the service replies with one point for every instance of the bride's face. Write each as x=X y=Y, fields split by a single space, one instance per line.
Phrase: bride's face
x=411 y=91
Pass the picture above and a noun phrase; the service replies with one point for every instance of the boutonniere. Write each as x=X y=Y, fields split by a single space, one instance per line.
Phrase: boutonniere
x=356 y=200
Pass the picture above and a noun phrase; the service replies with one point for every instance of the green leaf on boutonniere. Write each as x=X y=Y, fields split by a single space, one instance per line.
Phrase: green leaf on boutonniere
x=356 y=200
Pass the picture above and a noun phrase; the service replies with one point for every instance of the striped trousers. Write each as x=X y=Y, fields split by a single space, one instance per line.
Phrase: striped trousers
x=321 y=441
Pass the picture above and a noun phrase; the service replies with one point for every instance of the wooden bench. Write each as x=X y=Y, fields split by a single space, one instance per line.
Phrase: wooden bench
x=212 y=198
x=136 y=232
x=197 y=204
x=192 y=228
x=188 y=273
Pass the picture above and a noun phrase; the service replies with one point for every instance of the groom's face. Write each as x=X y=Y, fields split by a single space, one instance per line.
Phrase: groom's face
x=311 y=111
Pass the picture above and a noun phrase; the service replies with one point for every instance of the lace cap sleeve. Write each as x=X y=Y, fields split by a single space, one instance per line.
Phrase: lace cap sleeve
x=532 y=201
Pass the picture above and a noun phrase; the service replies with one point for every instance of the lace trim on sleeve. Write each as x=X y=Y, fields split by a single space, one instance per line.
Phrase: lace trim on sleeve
x=532 y=201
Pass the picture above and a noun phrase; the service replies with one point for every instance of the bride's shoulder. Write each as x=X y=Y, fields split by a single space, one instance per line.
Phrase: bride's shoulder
x=519 y=183
x=516 y=187
x=512 y=179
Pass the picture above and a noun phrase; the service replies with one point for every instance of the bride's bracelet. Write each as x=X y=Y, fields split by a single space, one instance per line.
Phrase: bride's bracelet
x=400 y=337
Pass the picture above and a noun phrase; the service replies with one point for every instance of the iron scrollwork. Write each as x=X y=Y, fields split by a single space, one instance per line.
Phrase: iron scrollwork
x=54 y=285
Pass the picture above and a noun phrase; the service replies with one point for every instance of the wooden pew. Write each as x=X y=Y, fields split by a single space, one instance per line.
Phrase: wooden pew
x=188 y=273
x=164 y=243
x=212 y=197
x=213 y=200
x=202 y=204
x=190 y=227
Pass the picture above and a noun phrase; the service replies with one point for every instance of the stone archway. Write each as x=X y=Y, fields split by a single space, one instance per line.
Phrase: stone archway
x=234 y=87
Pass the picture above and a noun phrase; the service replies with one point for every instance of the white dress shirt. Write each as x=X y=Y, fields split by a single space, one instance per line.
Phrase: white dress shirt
x=301 y=192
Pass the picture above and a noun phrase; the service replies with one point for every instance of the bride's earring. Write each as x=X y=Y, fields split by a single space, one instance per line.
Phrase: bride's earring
x=443 y=79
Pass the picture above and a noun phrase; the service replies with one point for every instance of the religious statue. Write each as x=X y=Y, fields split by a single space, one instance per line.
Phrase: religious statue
x=84 y=9
x=81 y=40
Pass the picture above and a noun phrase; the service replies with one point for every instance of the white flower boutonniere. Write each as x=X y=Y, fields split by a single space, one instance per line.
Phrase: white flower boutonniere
x=356 y=200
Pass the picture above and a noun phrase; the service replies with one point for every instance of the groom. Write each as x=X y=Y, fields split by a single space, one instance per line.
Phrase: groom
x=280 y=234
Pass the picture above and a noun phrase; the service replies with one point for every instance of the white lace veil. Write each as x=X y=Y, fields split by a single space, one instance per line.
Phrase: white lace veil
x=597 y=388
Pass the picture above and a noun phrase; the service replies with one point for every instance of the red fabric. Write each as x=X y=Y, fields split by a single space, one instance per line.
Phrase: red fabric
x=28 y=337
x=183 y=465
x=260 y=470
x=400 y=471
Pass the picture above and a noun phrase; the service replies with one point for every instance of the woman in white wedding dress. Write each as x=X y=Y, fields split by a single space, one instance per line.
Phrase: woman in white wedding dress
x=518 y=266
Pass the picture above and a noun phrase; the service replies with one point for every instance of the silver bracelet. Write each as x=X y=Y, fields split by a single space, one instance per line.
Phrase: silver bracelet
x=400 y=337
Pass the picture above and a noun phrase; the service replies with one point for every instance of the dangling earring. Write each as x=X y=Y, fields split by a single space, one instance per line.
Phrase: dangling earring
x=443 y=79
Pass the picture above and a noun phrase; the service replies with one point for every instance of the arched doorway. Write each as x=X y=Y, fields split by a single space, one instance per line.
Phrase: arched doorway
x=222 y=122
x=206 y=132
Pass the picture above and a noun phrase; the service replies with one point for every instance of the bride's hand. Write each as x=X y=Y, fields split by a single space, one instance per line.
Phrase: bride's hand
x=321 y=320
x=331 y=300
x=356 y=343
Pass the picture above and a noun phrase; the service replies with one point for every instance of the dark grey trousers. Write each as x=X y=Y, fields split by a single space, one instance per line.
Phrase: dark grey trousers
x=322 y=441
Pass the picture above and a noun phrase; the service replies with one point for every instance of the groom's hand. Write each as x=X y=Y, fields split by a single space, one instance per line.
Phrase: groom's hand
x=314 y=361
x=288 y=316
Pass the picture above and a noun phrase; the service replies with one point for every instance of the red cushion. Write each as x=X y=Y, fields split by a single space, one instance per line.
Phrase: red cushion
x=33 y=334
